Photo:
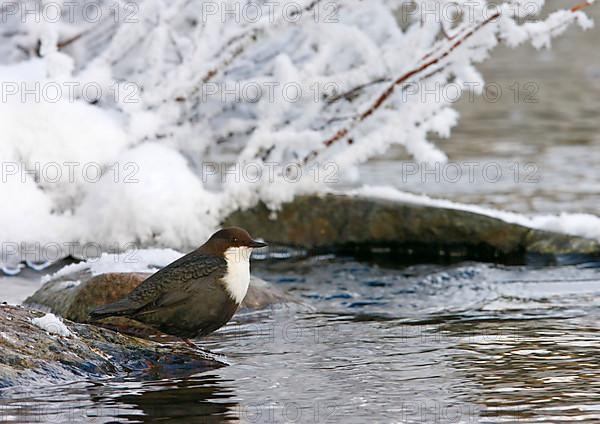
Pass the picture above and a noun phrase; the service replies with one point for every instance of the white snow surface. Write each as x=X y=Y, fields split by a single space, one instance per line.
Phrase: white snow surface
x=142 y=260
x=52 y=324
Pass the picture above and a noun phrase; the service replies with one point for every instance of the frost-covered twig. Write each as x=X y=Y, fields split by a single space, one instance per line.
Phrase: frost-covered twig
x=237 y=45
x=386 y=94
x=381 y=99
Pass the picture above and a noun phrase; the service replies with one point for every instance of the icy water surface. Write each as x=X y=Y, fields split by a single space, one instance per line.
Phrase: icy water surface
x=424 y=344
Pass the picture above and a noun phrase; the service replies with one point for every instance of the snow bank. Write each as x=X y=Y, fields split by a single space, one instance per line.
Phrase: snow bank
x=44 y=147
x=73 y=176
x=163 y=203
x=52 y=324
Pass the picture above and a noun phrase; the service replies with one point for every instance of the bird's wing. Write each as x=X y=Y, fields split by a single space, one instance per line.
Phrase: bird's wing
x=168 y=286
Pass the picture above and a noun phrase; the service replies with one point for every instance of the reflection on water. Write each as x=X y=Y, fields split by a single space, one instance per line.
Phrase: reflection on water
x=204 y=398
x=450 y=344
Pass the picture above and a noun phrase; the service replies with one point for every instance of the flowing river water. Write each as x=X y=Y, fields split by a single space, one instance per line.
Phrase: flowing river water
x=460 y=343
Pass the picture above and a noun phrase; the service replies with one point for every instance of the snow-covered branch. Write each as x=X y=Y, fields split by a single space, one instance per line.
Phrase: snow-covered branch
x=175 y=87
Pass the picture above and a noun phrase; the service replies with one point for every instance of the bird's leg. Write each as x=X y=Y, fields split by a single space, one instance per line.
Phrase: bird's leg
x=189 y=343
x=153 y=368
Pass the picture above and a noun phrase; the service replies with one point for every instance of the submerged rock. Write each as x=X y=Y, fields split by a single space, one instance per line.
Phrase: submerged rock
x=31 y=354
x=74 y=295
x=354 y=224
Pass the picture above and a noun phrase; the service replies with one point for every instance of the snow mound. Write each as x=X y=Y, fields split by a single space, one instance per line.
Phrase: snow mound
x=143 y=260
x=52 y=325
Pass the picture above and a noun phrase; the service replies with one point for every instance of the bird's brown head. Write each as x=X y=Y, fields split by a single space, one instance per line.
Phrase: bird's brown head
x=230 y=237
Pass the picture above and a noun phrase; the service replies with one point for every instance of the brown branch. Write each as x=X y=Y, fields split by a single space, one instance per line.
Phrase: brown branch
x=62 y=44
x=445 y=33
x=350 y=93
x=392 y=87
x=580 y=6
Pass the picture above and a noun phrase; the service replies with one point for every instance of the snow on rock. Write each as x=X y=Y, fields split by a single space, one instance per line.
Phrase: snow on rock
x=584 y=225
x=143 y=260
x=52 y=324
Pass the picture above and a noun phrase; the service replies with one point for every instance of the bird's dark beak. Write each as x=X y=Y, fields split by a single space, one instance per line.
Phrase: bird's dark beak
x=255 y=244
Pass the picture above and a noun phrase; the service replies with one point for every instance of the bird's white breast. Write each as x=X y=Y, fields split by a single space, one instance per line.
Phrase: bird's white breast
x=237 y=277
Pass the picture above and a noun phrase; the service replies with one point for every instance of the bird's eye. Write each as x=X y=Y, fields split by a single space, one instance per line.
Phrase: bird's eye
x=235 y=240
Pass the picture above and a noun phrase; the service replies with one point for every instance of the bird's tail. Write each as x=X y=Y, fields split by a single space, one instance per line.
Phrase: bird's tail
x=119 y=308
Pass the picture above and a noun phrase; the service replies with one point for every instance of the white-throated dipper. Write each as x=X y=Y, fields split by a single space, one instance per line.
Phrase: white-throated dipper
x=195 y=295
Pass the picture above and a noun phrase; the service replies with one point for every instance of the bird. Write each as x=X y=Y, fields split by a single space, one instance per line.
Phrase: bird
x=195 y=295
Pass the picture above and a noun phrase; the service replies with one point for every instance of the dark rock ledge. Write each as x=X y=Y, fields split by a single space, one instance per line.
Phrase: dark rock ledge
x=411 y=232
x=31 y=355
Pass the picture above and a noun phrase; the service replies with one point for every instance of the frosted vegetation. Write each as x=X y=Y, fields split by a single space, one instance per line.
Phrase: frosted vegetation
x=174 y=87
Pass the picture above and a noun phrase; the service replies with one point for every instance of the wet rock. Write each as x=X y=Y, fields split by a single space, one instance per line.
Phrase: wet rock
x=30 y=354
x=73 y=296
x=353 y=224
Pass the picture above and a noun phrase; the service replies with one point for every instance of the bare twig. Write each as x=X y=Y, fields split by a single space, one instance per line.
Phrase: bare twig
x=445 y=33
x=580 y=6
x=62 y=44
x=348 y=95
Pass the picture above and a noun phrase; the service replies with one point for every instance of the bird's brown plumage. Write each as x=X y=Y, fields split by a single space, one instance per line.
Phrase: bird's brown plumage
x=187 y=297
